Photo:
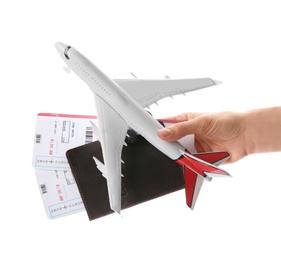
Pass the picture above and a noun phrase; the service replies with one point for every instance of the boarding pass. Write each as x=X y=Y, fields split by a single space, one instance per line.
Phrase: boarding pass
x=54 y=135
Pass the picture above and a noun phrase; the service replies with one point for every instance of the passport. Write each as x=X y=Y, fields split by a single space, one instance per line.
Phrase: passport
x=147 y=174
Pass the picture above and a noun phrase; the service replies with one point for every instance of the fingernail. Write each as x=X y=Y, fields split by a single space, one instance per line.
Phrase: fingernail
x=165 y=132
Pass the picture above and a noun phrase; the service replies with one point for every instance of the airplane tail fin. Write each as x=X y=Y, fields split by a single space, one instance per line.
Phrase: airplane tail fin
x=200 y=167
x=193 y=184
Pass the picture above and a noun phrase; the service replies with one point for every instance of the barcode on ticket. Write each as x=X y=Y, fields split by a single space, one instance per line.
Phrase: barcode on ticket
x=38 y=138
x=43 y=188
x=89 y=135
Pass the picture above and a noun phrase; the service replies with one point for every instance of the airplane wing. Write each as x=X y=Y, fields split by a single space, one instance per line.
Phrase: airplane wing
x=147 y=92
x=113 y=130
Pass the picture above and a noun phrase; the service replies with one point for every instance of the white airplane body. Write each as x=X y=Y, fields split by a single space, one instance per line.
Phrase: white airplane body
x=120 y=105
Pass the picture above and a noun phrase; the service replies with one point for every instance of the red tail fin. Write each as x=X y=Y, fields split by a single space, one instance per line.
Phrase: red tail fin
x=197 y=168
x=193 y=184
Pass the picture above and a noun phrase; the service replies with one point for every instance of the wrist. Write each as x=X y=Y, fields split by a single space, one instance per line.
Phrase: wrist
x=263 y=130
x=250 y=135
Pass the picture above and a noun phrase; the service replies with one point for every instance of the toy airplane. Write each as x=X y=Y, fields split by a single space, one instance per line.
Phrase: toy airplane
x=120 y=105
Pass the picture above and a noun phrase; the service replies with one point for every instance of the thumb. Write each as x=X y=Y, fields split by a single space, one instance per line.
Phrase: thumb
x=179 y=130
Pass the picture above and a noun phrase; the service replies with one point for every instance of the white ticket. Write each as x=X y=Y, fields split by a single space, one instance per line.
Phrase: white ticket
x=59 y=193
x=57 y=133
x=54 y=135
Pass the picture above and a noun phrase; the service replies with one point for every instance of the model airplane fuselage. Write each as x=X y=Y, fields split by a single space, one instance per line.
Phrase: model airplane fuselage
x=118 y=109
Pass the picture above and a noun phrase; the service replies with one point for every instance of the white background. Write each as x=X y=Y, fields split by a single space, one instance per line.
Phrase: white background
x=237 y=42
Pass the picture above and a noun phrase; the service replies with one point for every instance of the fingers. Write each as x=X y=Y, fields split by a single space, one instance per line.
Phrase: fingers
x=190 y=125
x=185 y=116
x=179 y=130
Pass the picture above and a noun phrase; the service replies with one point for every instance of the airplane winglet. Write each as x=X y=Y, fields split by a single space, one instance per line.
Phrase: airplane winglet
x=218 y=82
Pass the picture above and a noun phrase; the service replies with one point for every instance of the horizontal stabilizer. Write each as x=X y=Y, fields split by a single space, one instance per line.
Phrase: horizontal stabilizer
x=215 y=158
x=193 y=184
x=201 y=167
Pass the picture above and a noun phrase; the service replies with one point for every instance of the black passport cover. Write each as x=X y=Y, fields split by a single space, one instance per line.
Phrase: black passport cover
x=147 y=172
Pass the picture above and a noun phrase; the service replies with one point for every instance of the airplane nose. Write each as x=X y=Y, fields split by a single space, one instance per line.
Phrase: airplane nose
x=62 y=48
